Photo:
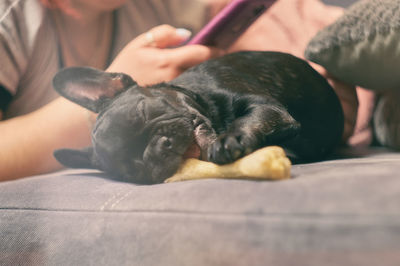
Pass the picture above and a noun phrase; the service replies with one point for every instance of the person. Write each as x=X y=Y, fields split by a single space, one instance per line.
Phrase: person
x=40 y=37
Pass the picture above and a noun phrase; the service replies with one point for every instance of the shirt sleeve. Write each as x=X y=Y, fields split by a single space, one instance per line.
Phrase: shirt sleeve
x=19 y=23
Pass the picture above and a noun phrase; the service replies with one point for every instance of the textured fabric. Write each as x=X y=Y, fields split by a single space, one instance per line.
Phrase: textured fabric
x=28 y=43
x=343 y=211
x=387 y=119
x=361 y=47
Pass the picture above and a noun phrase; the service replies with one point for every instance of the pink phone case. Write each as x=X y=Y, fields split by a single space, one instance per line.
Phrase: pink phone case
x=231 y=22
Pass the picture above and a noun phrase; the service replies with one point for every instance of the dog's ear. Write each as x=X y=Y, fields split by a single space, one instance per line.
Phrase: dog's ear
x=89 y=87
x=75 y=158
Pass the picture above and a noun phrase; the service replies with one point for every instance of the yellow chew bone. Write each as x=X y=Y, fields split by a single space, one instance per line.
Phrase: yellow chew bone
x=267 y=163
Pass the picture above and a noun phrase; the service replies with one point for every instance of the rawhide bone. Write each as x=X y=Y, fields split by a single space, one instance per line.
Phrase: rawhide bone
x=269 y=163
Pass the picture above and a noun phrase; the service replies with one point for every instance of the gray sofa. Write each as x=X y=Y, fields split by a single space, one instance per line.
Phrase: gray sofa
x=343 y=211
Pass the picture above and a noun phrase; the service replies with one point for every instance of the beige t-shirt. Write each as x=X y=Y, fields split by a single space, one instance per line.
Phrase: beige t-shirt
x=29 y=52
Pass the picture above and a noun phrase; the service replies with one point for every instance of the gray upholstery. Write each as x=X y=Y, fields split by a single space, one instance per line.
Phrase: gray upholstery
x=339 y=212
x=361 y=47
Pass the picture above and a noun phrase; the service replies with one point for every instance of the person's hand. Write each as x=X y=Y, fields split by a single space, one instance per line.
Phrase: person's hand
x=147 y=60
x=347 y=95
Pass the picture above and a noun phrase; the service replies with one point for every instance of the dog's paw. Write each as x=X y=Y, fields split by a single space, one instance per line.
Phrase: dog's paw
x=227 y=148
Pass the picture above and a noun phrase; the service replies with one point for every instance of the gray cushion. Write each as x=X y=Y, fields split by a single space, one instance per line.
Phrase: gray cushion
x=387 y=119
x=338 y=212
x=362 y=47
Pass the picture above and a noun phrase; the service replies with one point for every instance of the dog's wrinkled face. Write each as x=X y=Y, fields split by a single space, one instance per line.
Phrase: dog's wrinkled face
x=144 y=135
x=141 y=134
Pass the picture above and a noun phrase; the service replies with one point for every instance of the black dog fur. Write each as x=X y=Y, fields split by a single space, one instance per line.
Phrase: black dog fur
x=228 y=107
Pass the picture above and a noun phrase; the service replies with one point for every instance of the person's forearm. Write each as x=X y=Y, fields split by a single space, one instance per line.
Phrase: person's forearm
x=27 y=142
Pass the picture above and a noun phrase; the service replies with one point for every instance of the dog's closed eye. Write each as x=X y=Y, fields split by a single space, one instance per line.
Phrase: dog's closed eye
x=166 y=142
x=163 y=145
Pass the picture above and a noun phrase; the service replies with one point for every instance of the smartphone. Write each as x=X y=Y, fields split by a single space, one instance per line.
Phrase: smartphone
x=231 y=22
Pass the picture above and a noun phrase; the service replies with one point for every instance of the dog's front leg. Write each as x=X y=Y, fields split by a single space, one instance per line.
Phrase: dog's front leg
x=256 y=125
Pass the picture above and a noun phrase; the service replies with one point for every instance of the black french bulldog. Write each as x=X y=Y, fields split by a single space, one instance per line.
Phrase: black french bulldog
x=219 y=111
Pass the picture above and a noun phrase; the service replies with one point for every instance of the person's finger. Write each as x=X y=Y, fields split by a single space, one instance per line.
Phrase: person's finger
x=162 y=36
x=190 y=55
